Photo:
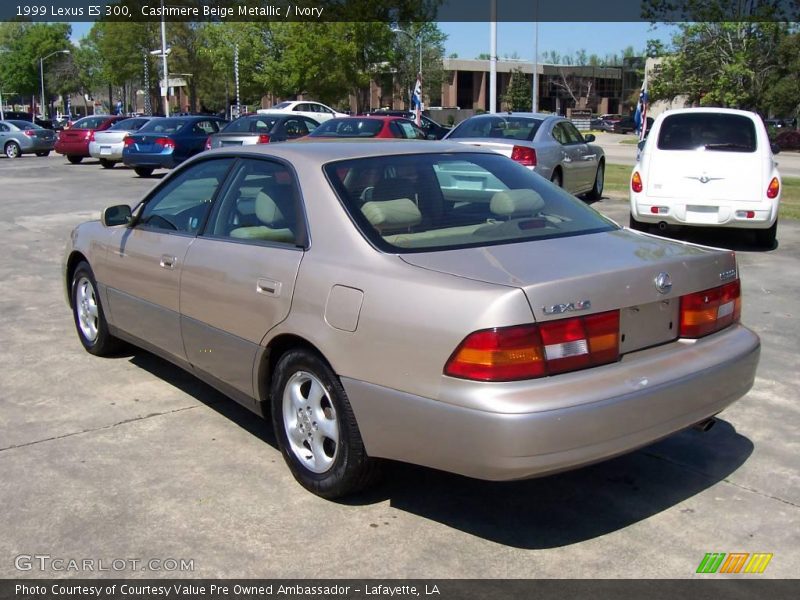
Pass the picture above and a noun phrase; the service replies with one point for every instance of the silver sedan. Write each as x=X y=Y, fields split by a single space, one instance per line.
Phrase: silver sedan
x=108 y=145
x=548 y=144
x=23 y=137
x=426 y=302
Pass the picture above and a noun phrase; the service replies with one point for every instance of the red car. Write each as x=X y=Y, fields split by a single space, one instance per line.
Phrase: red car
x=368 y=127
x=74 y=142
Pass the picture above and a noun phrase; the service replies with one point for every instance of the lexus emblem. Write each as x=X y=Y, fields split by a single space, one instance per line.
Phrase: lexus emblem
x=663 y=283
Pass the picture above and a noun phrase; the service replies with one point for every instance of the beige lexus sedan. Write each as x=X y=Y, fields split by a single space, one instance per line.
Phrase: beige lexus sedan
x=425 y=302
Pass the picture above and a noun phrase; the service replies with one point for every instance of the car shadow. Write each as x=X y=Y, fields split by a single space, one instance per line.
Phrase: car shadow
x=558 y=510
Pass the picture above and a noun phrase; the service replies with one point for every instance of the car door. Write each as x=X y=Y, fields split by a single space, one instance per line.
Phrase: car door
x=197 y=136
x=239 y=275
x=144 y=261
x=576 y=160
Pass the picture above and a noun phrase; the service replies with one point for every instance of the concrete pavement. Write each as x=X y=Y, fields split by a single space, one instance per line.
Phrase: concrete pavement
x=131 y=458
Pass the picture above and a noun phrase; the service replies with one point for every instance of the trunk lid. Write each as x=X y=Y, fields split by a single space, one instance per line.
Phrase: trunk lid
x=503 y=148
x=611 y=271
x=110 y=137
x=705 y=176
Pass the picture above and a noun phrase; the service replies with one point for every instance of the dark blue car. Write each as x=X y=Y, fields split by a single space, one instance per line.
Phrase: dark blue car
x=167 y=141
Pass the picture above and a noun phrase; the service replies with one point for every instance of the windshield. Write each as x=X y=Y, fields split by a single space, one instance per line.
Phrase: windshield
x=494 y=126
x=709 y=131
x=260 y=124
x=441 y=201
x=348 y=128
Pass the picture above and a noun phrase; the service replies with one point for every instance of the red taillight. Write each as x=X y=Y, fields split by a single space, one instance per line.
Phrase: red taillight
x=524 y=156
x=208 y=143
x=165 y=142
x=774 y=188
x=530 y=351
x=263 y=139
x=636 y=182
x=708 y=311
x=128 y=141
x=90 y=135
x=29 y=132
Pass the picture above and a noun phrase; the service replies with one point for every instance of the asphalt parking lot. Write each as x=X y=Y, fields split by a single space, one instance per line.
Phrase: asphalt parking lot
x=129 y=458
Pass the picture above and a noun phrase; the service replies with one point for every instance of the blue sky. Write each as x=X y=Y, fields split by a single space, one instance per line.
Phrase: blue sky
x=468 y=40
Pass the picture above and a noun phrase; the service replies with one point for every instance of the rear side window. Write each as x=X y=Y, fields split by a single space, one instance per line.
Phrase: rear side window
x=511 y=128
x=709 y=131
x=438 y=201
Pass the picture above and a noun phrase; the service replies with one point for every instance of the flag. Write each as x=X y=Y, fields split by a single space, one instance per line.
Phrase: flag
x=416 y=100
x=640 y=117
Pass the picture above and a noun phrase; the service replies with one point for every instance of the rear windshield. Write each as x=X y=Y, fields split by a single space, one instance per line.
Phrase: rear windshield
x=503 y=127
x=260 y=124
x=163 y=125
x=441 y=201
x=90 y=122
x=709 y=131
x=129 y=124
x=349 y=128
x=24 y=125
x=282 y=105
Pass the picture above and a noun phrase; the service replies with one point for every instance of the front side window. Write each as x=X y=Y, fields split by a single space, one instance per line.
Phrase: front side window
x=424 y=202
x=260 y=205
x=183 y=202
x=708 y=131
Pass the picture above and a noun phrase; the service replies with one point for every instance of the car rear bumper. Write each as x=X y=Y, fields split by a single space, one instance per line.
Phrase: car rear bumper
x=149 y=160
x=36 y=145
x=111 y=151
x=557 y=423
x=744 y=215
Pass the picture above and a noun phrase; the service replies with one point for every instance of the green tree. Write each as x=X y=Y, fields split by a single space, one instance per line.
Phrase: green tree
x=783 y=93
x=23 y=45
x=405 y=59
x=721 y=64
x=518 y=96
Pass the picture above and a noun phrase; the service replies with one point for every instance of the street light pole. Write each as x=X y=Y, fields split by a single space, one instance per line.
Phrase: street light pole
x=164 y=61
x=41 y=78
x=418 y=41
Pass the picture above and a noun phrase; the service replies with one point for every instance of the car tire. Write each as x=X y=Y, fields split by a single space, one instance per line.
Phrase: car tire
x=43 y=153
x=596 y=193
x=12 y=150
x=107 y=164
x=87 y=311
x=74 y=159
x=637 y=225
x=765 y=238
x=557 y=178
x=143 y=171
x=316 y=429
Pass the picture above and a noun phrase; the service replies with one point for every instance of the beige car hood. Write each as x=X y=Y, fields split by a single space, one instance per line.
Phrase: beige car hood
x=611 y=270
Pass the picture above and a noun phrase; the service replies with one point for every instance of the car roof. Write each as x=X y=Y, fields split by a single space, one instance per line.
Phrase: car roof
x=529 y=115
x=321 y=151
x=711 y=109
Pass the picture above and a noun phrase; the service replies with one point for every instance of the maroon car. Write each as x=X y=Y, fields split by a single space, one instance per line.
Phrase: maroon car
x=74 y=142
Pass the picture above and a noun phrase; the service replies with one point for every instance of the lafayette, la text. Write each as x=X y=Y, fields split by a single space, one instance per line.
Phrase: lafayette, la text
x=178 y=590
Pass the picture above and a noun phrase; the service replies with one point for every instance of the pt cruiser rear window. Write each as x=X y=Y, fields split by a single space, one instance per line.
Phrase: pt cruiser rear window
x=708 y=131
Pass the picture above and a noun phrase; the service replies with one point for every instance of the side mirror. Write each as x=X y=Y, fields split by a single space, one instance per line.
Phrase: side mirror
x=641 y=144
x=116 y=215
x=589 y=137
x=775 y=148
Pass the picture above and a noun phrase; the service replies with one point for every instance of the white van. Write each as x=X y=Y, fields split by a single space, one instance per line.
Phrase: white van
x=709 y=167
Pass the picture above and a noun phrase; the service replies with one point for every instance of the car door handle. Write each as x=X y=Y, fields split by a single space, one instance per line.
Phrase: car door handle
x=268 y=287
x=168 y=262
